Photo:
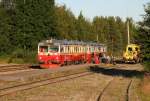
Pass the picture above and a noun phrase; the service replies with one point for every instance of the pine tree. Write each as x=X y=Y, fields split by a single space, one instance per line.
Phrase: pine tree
x=33 y=21
x=98 y=26
x=65 y=23
x=5 y=30
x=143 y=38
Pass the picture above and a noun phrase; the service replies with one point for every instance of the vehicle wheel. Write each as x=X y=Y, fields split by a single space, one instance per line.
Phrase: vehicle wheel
x=65 y=63
x=93 y=60
x=82 y=61
x=68 y=62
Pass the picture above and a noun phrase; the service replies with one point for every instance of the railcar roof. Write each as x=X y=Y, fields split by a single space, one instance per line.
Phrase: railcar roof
x=66 y=42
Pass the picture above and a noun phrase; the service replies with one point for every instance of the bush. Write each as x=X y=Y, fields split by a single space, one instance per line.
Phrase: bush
x=4 y=58
x=30 y=57
x=18 y=53
x=23 y=56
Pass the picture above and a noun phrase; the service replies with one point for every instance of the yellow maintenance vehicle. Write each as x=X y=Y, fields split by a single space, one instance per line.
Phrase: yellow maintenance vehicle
x=132 y=53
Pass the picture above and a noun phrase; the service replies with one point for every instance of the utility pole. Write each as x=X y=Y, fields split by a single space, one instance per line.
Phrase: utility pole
x=128 y=30
x=97 y=37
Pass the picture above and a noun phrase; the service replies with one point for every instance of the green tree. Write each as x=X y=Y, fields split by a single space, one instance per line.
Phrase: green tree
x=84 y=28
x=143 y=37
x=98 y=27
x=33 y=21
x=7 y=4
x=5 y=29
x=65 y=23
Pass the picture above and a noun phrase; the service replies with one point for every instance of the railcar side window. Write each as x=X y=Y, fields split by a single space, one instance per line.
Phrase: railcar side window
x=76 y=49
x=92 y=49
x=62 y=49
x=68 y=49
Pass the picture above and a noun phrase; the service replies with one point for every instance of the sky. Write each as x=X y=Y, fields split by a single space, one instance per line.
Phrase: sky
x=91 y=8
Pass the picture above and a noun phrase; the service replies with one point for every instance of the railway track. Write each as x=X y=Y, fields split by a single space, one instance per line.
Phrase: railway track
x=128 y=91
x=102 y=96
x=26 y=86
x=111 y=83
x=8 y=68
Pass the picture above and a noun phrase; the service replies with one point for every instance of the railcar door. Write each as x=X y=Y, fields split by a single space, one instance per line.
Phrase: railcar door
x=42 y=53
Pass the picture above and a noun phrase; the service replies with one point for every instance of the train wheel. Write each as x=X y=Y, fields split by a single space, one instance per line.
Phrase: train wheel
x=69 y=62
x=93 y=61
x=76 y=62
x=62 y=64
x=65 y=63
x=82 y=62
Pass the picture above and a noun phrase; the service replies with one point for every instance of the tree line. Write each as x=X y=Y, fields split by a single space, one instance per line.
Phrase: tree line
x=24 y=23
x=143 y=36
x=109 y=30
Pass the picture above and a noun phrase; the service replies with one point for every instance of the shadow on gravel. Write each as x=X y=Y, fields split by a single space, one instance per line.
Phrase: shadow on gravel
x=117 y=72
x=122 y=62
x=35 y=67
x=119 y=62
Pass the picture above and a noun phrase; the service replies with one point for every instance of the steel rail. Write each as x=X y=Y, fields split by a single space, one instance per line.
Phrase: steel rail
x=128 y=90
x=127 y=96
x=26 y=86
x=8 y=68
x=104 y=89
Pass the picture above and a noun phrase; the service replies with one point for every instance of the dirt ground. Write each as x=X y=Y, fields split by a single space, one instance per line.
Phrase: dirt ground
x=145 y=88
x=81 y=89
x=146 y=85
x=87 y=88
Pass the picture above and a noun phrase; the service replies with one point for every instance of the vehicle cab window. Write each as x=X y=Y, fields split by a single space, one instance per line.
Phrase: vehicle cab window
x=129 y=49
x=136 y=49
x=43 y=49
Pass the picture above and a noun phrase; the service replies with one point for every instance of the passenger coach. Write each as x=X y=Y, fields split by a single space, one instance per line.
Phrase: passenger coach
x=55 y=53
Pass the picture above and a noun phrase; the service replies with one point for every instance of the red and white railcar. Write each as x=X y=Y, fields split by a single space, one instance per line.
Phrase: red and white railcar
x=55 y=53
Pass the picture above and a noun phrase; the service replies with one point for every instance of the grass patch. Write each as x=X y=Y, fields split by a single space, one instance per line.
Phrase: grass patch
x=4 y=59
x=146 y=65
x=19 y=56
x=144 y=97
x=23 y=56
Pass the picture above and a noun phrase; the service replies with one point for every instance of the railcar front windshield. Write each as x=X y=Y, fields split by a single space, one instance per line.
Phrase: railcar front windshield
x=53 y=49
x=43 y=48
x=130 y=49
x=136 y=49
